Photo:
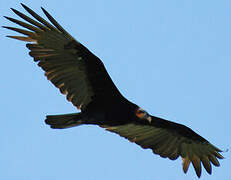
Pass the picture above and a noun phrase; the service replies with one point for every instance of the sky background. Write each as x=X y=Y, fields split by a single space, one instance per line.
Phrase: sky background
x=171 y=57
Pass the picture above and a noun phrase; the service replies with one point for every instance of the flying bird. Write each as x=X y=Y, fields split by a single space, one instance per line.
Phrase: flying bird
x=82 y=77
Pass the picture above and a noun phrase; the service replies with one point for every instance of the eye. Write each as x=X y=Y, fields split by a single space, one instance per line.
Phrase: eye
x=143 y=115
x=140 y=113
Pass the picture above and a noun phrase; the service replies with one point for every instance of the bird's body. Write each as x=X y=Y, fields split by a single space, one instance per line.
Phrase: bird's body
x=82 y=77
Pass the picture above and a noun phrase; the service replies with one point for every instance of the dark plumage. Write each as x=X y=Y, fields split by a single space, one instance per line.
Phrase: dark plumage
x=82 y=77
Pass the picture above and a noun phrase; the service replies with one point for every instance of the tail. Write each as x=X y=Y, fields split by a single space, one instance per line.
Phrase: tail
x=64 y=120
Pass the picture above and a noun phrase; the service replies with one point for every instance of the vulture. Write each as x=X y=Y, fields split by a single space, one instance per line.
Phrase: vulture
x=82 y=77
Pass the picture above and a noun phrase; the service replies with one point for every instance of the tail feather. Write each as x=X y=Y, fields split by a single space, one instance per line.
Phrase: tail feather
x=64 y=120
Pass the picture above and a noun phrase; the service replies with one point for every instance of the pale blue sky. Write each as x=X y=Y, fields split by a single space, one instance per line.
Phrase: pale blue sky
x=171 y=57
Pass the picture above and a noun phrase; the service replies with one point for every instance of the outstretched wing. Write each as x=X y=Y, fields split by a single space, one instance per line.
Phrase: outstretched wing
x=169 y=139
x=71 y=67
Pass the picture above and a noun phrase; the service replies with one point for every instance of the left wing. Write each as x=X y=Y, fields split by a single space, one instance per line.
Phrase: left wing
x=169 y=139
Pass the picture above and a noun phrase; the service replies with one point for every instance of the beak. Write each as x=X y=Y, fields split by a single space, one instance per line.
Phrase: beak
x=149 y=118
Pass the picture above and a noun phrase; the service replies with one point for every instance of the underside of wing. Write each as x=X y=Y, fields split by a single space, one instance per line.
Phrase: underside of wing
x=171 y=144
x=71 y=67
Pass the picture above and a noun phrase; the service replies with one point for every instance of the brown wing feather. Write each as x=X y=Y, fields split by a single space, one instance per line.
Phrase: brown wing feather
x=67 y=64
x=169 y=140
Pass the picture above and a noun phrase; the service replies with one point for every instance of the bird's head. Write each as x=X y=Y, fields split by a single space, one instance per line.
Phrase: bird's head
x=143 y=115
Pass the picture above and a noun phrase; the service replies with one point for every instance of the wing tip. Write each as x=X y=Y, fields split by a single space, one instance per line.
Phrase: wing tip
x=7 y=17
x=22 y=38
x=43 y=9
x=24 y=6
x=185 y=163
x=12 y=9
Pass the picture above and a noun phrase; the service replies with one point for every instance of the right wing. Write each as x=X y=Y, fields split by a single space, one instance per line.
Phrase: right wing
x=70 y=66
